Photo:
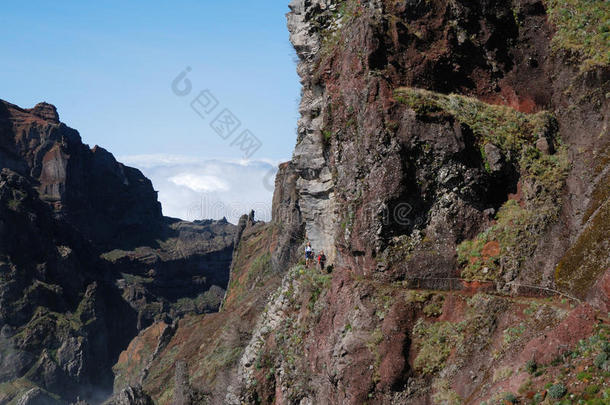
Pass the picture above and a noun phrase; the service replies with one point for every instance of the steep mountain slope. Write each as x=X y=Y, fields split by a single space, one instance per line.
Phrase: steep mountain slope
x=87 y=260
x=452 y=163
x=195 y=360
x=413 y=188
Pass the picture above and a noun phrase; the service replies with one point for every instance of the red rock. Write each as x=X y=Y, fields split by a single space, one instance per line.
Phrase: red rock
x=578 y=325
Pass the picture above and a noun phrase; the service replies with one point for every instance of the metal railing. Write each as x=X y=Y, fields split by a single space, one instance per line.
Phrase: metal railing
x=460 y=284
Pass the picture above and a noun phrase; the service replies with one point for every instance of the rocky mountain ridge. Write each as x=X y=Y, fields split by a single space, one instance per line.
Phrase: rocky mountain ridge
x=87 y=260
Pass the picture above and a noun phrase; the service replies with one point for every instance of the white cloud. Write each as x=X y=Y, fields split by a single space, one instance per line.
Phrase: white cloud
x=192 y=189
x=201 y=183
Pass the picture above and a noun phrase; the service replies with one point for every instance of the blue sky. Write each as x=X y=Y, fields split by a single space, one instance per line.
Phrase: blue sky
x=108 y=67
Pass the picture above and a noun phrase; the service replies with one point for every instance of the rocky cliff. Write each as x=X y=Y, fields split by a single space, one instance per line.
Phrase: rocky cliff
x=105 y=200
x=452 y=162
x=87 y=260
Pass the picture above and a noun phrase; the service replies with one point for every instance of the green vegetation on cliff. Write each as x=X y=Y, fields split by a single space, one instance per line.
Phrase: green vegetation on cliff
x=587 y=259
x=579 y=373
x=211 y=344
x=583 y=28
x=12 y=391
x=520 y=222
x=436 y=342
x=506 y=128
x=299 y=304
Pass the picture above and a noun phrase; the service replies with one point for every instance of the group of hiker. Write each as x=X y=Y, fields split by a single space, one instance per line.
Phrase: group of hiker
x=309 y=257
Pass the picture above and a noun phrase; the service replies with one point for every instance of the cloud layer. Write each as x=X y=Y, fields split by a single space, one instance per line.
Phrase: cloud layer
x=194 y=189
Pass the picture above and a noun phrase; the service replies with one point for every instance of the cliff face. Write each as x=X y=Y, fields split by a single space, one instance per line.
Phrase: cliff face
x=57 y=309
x=105 y=200
x=380 y=161
x=452 y=162
x=445 y=149
x=87 y=260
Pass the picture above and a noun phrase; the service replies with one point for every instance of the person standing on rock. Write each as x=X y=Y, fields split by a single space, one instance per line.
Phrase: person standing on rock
x=322 y=260
x=308 y=254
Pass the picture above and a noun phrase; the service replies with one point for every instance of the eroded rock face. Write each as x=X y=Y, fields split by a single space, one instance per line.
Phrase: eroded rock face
x=370 y=171
x=410 y=188
x=287 y=214
x=87 y=260
x=444 y=216
x=130 y=396
x=208 y=347
x=367 y=169
x=36 y=396
x=187 y=273
x=57 y=311
x=105 y=200
x=314 y=181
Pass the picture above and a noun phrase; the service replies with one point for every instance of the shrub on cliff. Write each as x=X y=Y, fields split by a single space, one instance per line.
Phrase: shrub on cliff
x=510 y=398
x=557 y=391
x=602 y=361
x=531 y=366
x=583 y=29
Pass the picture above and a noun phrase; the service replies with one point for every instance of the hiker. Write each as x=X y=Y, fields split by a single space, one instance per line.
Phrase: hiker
x=308 y=254
x=322 y=260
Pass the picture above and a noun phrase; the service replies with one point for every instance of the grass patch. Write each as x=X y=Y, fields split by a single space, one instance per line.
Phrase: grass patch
x=259 y=270
x=583 y=29
x=560 y=377
x=331 y=28
x=114 y=255
x=443 y=394
x=54 y=324
x=513 y=334
x=11 y=391
x=133 y=279
x=435 y=342
x=373 y=345
x=207 y=301
x=502 y=374
x=505 y=127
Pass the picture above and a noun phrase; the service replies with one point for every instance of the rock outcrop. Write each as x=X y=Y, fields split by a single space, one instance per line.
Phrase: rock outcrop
x=36 y=396
x=58 y=327
x=187 y=272
x=424 y=160
x=208 y=347
x=130 y=396
x=451 y=162
x=109 y=203
x=87 y=261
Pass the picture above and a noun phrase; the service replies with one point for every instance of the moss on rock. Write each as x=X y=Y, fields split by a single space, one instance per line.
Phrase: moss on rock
x=587 y=259
x=506 y=128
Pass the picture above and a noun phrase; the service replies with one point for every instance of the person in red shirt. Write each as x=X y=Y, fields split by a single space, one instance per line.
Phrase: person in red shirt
x=322 y=260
